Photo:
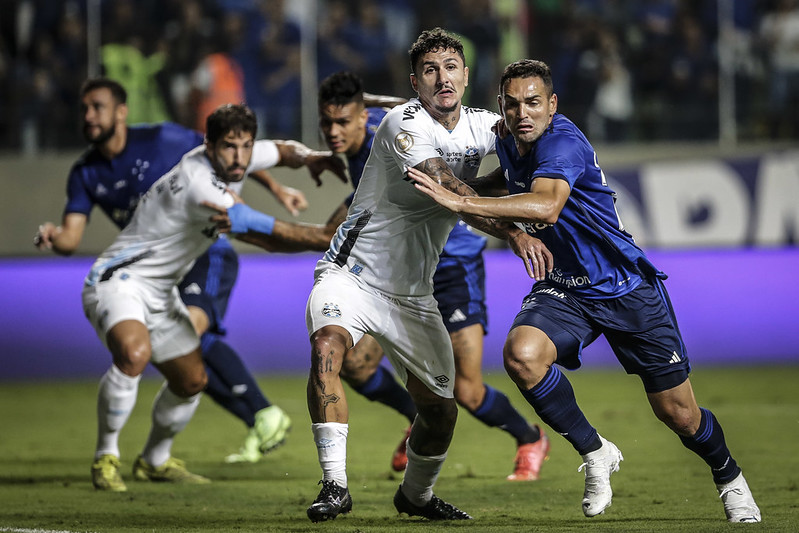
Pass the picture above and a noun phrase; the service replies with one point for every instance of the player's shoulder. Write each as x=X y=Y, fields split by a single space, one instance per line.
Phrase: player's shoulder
x=89 y=158
x=165 y=132
x=478 y=114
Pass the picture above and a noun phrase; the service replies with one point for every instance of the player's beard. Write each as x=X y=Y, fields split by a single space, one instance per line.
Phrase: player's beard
x=102 y=137
x=446 y=110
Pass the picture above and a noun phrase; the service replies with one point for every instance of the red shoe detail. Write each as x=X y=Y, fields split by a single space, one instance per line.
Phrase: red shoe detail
x=529 y=458
x=399 y=461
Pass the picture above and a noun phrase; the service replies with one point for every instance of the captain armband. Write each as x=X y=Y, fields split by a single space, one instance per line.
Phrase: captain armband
x=244 y=218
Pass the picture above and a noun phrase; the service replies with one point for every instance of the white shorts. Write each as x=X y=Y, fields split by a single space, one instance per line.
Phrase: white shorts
x=125 y=297
x=409 y=329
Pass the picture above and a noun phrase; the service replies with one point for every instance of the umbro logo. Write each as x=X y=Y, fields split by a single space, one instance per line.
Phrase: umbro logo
x=442 y=379
x=193 y=289
x=324 y=443
x=457 y=316
x=674 y=358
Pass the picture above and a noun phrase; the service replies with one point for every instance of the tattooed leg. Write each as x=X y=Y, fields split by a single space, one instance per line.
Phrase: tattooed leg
x=326 y=399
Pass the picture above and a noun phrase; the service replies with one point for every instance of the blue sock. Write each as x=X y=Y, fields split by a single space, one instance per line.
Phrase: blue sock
x=496 y=411
x=708 y=443
x=383 y=388
x=230 y=384
x=554 y=402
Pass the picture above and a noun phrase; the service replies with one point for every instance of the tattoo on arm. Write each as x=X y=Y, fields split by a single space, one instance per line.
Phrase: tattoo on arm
x=438 y=169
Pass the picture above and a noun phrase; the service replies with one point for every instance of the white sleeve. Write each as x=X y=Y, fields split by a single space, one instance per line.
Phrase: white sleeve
x=206 y=188
x=405 y=134
x=265 y=155
x=486 y=136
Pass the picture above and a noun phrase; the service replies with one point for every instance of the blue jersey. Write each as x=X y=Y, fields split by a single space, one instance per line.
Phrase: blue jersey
x=462 y=241
x=116 y=185
x=594 y=256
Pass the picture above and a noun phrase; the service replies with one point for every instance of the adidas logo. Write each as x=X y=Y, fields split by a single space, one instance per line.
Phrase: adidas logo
x=674 y=358
x=457 y=316
x=193 y=289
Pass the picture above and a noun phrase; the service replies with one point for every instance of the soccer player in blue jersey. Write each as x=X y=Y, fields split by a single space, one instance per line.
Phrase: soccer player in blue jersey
x=348 y=127
x=121 y=165
x=602 y=284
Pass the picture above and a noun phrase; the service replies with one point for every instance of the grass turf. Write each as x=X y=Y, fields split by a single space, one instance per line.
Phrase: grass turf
x=47 y=433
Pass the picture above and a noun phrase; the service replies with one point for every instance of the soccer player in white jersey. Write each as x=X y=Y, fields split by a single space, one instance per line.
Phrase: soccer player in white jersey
x=131 y=298
x=376 y=277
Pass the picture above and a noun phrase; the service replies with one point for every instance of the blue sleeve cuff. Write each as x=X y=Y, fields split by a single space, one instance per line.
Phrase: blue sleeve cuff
x=244 y=218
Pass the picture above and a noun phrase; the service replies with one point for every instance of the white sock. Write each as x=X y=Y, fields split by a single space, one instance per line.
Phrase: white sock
x=420 y=476
x=116 y=397
x=170 y=415
x=331 y=446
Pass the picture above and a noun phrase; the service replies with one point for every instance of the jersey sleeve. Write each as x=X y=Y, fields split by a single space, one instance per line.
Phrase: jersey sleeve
x=406 y=136
x=204 y=188
x=485 y=135
x=78 y=198
x=265 y=155
x=559 y=157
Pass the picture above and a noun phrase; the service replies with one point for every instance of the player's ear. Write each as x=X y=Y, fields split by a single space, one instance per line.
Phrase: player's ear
x=122 y=113
x=414 y=83
x=465 y=76
x=553 y=105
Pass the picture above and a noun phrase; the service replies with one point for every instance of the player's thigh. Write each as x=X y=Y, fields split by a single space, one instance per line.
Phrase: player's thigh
x=172 y=334
x=416 y=342
x=206 y=288
x=117 y=309
x=361 y=361
x=339 y=299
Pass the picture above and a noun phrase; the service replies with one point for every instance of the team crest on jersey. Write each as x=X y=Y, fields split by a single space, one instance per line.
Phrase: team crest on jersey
x=471 y=157
x=331 y=310
x=403 y=141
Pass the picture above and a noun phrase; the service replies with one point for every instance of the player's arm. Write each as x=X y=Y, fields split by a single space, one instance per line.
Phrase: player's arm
x=294 y=154
x=491 y=184
x=293 y=200
x=267 y=232
x=537 y=258
x=63 y=239
x=381 y=100
x=542 y=204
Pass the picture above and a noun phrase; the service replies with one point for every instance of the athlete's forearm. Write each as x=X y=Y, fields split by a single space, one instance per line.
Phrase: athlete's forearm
x=294 y=154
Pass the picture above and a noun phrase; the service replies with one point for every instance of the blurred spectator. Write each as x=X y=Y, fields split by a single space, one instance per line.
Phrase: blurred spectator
x=779 y=32
x=275 y=91
x=218 y=79
x=186 y=35
x=612 y=109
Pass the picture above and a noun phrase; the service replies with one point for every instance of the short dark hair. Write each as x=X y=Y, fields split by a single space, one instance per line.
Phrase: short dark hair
x=340 y=89
x=431 y=41
x=230 y=117
x=117 y=91
x=528 y=68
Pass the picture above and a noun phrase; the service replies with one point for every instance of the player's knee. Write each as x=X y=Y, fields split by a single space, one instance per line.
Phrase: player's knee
x=190 y=383
x=678 y=419
x=355 y=371
x=132 y=356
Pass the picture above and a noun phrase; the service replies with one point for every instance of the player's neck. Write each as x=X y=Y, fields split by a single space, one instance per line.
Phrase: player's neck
x=448 y=119
x=114 y=146
x=356 y=146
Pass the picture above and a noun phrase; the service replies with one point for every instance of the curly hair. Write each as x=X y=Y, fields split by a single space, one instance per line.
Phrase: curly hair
x=431 y=41
x=230 y=117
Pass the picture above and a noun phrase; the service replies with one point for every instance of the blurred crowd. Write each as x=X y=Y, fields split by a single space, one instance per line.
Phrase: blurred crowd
x=624 y=70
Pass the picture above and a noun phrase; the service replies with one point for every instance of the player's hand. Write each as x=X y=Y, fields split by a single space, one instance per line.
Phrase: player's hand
x=537 y=258
x=220 y=216
x=435 y=190
x=43 y=240
x=317 y=162
x=293 y=200
x=500 y=129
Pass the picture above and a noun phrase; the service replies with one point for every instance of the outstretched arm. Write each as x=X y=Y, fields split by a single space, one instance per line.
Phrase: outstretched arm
x=63 y=239
x=294 y=154
x=537 y=258
x=293 y=200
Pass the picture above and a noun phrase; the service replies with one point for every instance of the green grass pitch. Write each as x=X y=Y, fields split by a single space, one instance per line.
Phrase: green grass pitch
x=47 y=433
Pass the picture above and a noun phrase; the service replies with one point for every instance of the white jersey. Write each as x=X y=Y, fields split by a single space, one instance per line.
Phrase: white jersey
x=170 y=228
x=393 y=233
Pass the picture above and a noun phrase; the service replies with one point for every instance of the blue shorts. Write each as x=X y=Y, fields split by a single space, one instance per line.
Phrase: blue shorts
x=640 y=327
x=210 y=281
x=459 y=289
